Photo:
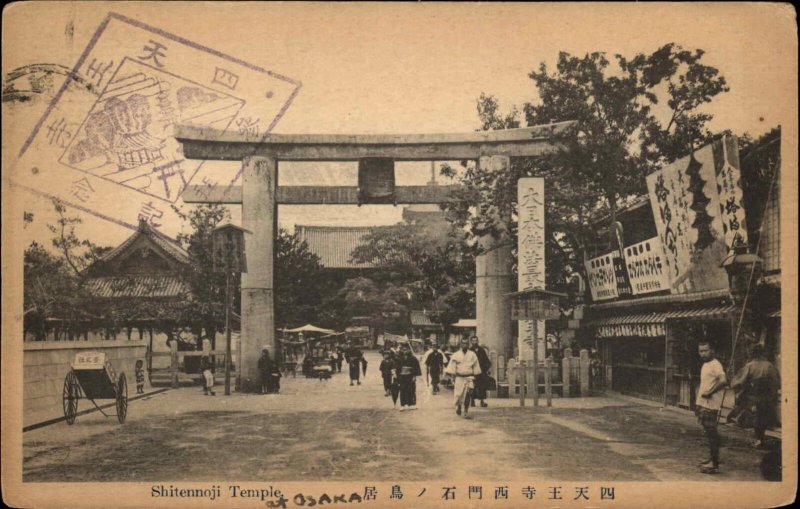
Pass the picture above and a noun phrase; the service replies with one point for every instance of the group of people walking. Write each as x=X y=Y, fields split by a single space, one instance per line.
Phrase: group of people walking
x=468 y=366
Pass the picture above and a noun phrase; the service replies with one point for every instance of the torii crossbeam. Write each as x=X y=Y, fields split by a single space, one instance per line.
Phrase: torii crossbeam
x=259 y=196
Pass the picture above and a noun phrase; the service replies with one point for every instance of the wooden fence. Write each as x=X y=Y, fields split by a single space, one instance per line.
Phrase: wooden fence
x=568 y=378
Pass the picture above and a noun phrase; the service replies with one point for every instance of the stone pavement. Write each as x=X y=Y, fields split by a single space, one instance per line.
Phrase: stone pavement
x=330 y=430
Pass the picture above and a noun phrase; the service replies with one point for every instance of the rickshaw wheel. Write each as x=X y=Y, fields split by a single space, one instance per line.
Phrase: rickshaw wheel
x=122 y=398
x=71 y=395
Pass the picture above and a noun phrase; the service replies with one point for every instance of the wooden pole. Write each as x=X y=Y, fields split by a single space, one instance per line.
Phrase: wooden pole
x=534 y=335
x=228 y=326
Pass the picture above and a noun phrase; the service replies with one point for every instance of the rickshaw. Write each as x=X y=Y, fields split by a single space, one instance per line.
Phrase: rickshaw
x=92 y=377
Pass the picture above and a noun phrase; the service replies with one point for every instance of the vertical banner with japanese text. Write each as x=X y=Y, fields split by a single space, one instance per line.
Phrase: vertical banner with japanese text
x=729 y=186
x=686 y=204
x=530 y=256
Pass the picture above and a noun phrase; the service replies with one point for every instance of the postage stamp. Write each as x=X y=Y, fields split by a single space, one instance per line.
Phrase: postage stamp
x=111 y=153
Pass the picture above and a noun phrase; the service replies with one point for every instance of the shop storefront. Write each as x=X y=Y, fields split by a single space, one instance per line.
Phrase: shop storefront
x=653 y=354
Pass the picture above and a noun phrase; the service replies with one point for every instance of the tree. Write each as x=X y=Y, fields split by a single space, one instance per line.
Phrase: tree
x=205 y=310
x=299 y=283
x=430 y=263
x=52 y=283
x=50 y=288
x=619 y=135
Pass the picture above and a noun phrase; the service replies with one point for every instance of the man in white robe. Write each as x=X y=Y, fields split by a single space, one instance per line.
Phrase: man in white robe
x=463 y=367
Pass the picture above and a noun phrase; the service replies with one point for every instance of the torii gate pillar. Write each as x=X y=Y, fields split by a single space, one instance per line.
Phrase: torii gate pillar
x=258 y=216
x=494 y=281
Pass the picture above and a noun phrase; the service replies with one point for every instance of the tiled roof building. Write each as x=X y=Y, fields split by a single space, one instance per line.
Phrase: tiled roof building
x=146 y=265
x=335 y=244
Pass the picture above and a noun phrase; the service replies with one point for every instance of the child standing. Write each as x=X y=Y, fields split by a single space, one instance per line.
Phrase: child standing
x=208 y=376
x=139 y=377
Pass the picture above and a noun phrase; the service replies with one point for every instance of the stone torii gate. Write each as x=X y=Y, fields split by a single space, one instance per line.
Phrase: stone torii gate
x=259 y=196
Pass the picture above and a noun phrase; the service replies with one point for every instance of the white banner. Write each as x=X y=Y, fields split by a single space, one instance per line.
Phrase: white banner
x=530 y=256
x=729 y=185
x=646 y=269
x=686 y=209
x=602 y=278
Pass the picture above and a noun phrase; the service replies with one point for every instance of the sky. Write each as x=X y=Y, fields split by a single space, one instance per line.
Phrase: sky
x=415 y=68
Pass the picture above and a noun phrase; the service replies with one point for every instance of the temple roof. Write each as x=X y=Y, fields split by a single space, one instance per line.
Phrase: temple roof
x=335 y=244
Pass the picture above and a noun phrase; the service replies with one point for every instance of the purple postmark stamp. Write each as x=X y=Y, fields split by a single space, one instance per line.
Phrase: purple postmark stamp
x=112 y=153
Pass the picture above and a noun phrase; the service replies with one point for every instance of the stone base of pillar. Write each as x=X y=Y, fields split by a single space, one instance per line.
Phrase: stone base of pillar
x=257 y=333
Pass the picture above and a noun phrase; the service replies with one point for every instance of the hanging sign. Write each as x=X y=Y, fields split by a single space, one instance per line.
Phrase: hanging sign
x=602 y=277
x=646 y=268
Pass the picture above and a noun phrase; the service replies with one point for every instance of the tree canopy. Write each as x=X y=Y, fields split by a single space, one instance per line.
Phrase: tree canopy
x=631 y=115
x=423 y=266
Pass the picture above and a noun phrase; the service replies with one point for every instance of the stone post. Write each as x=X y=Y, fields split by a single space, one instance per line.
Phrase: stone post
x=258 y=213
x=522 y=375
x=566 y=366
x=494 y=281
x=584 y=373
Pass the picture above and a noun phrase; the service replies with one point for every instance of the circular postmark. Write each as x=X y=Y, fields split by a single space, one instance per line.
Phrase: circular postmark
x=27 y=83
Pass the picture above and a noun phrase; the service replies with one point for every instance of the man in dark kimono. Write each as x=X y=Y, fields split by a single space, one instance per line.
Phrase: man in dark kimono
x=387 y=372
x=435 y=366
x=269 y=372
x=407 y=372
x=354 y=359
x=482 y=380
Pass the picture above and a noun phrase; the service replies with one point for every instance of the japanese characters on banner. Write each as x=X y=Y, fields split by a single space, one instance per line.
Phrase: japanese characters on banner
x=530 y=254
x=646 y=270
x=729 y=186
x=686 y=208
x=647 y=330
x=602 y=277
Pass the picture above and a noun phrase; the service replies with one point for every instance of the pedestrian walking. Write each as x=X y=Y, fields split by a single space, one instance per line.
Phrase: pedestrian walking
x=463 y=366
x=208 y=375
x=760 y=383
x=139 y=376
x=408 y=370
x=434 y=364
x=709 y=401
x=482 y=379
x=387 y=369
x=354 y=359
x=339 y=358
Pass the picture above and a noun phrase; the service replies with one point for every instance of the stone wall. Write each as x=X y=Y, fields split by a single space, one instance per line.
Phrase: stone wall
x=46 y=365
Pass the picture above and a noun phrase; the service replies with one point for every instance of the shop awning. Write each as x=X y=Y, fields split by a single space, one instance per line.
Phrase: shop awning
x=653 y=324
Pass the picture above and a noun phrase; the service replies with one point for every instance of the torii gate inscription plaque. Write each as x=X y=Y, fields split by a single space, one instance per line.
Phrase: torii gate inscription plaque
x=259 y=196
